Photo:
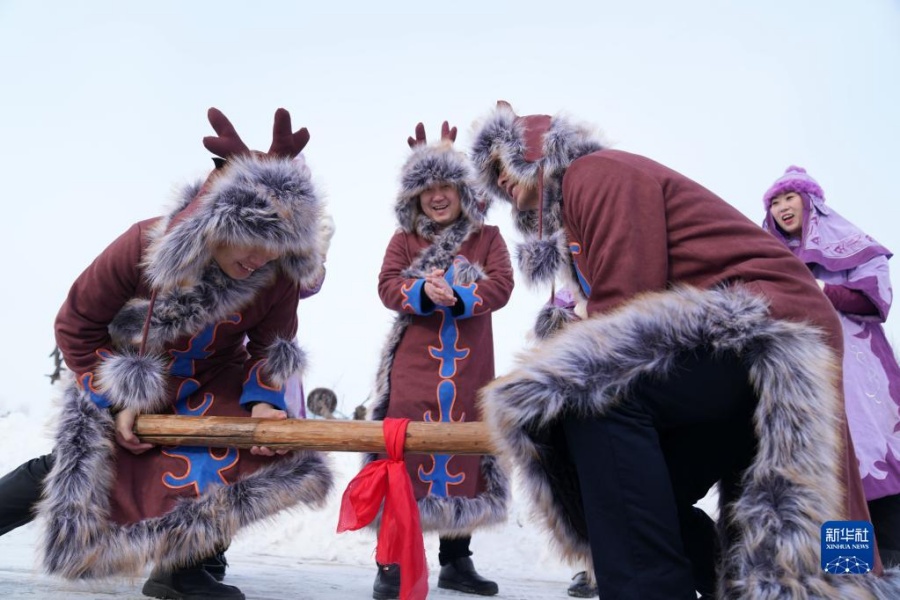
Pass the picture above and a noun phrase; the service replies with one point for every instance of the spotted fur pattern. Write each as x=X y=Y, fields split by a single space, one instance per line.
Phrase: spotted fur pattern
x=792 y=486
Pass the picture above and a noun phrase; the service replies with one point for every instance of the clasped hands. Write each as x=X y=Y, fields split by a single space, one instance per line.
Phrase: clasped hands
x=438 y=290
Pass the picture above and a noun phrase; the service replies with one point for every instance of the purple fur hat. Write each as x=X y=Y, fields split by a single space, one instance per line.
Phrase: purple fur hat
x=795 y=179
x=827 y=238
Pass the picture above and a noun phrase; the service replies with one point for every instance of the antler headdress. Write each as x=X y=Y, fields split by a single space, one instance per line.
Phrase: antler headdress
x=285 y=142
x=431 y=164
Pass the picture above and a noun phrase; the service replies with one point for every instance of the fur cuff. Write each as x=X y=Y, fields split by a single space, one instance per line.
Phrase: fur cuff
x=131 y=381
x=284 y=358
x=466 y=273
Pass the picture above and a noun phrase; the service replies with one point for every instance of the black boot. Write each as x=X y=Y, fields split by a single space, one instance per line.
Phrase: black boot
x=583 y=586
x=459 y=574
x=387 y=583
x=189 y=583
x=215 y=565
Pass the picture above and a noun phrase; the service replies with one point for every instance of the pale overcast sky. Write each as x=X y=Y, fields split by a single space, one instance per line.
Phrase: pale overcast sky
x=104 y=108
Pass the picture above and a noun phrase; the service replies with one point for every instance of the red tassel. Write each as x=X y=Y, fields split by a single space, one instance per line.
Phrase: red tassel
x=400 y=534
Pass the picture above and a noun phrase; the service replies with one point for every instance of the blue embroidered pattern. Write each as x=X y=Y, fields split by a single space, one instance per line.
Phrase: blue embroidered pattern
x=575 y=249
x=447 y=354
x=203 y=466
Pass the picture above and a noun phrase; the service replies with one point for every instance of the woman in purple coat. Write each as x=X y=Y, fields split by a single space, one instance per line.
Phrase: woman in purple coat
x=852 y=270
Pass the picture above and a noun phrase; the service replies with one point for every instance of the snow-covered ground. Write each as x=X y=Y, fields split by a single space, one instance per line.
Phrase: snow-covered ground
x=277 y=574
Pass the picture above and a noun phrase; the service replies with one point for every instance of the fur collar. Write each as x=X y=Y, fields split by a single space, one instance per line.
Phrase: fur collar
x=186 y=310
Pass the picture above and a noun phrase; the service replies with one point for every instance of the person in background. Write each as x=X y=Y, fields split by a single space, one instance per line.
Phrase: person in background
x=444 y=273
x=322 y=402
x=852 y=270
x=709 y=355
x=191 y=313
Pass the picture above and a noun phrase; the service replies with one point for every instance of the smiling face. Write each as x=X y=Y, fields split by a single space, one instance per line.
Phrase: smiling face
x=787 y=212
x=523 y=196
x=239 y=262
x=441 y=204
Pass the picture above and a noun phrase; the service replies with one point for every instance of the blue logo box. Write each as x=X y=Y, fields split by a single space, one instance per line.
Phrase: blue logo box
x=848 y=547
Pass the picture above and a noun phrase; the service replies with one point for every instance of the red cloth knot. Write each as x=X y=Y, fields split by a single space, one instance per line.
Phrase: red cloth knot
x=400 y=540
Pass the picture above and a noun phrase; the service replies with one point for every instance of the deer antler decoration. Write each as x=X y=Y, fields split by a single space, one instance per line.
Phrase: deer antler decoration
x=448 y=135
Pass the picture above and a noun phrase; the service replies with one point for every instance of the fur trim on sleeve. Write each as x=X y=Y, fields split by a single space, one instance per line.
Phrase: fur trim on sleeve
x=284 y=358
x=129 y=380
x=466 y=273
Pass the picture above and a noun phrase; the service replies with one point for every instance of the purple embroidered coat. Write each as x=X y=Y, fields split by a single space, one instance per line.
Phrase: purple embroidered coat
x=854 y=269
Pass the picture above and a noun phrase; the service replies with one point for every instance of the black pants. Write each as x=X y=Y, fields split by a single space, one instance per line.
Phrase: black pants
x=885 y=513
x=644 y=464
x=20 y=490
x=453 y=548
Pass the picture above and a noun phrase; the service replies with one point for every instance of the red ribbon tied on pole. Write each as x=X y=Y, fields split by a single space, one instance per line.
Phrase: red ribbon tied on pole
x=400 y=534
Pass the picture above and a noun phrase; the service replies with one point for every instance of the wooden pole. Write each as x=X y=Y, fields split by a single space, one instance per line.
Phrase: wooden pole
x=335 y=435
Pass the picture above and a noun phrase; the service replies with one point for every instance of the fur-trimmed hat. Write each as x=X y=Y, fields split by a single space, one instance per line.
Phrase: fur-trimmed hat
x=795 y=179
x=533 y=150
x=252 y=199
x=526 y=147
x=434 y=164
